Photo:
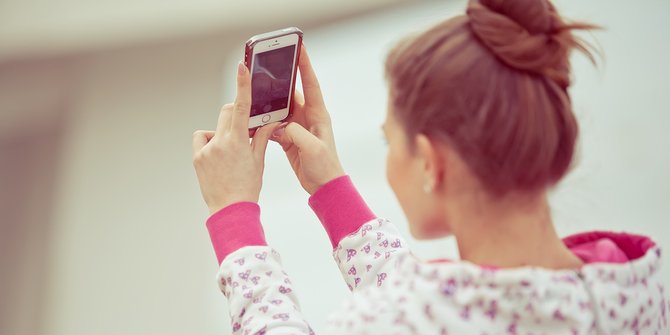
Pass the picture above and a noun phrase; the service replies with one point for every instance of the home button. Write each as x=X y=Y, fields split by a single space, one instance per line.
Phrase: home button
x=265 y=118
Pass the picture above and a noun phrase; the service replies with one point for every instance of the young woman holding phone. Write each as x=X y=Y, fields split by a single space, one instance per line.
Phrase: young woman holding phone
x=479 y=127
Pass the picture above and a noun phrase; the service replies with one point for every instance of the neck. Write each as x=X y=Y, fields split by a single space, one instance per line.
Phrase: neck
x=511 y=232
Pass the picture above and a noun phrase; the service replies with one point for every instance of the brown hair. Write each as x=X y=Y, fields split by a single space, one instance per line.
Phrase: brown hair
x=493 y=84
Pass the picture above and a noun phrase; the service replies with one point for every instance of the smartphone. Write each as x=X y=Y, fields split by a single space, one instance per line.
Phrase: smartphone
x=272 y=59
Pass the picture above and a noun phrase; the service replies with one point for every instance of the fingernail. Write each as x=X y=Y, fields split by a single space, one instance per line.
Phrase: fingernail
x=277 y=133
x=241 y=68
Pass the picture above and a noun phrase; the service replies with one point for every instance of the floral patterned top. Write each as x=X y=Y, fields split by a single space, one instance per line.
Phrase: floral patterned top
x=617 y=291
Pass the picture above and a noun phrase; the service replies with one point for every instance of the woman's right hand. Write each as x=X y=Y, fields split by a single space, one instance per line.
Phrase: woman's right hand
x=307 y=136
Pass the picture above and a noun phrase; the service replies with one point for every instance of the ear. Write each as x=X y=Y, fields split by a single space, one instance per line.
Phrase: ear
x=433 y=160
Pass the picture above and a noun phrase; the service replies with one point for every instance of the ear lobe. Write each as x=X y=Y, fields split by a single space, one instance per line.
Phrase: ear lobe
x=431 y=156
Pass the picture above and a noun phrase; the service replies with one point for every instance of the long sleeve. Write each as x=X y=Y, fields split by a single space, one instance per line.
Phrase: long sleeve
x=365 y=247
x=367 y=257
x=260 y=294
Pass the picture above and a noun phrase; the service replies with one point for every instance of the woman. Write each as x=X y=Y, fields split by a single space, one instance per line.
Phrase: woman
x=479 y=127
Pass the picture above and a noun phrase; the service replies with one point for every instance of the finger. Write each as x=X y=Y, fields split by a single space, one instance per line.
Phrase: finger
x=240 y=119
x=260 y=140
x=310 y=84
x=296 y=135
x=297 y=112
x=222 y=125
x=200 y=139
x=298 y=98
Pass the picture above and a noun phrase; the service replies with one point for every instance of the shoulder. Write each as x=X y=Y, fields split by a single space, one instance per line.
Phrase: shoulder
x=374 y=310
x=403 y=304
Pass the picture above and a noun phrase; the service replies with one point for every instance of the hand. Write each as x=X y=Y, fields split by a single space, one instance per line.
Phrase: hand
x=229 y=168
x=307 y=137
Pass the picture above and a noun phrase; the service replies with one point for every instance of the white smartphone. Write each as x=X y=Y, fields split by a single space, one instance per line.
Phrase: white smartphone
x=272 y=59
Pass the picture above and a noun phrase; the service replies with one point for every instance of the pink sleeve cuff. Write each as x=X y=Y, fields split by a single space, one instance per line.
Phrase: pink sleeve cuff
x=235 y=226
x=340 y=208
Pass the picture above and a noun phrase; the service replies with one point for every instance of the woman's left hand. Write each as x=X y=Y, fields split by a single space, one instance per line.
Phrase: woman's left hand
x=229 y=167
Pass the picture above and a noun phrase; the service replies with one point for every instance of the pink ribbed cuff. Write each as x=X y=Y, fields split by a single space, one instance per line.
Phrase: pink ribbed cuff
x=340 y=208
x=235 y=226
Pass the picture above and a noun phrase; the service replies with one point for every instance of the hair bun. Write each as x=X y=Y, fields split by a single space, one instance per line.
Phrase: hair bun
x=525 y=34
x=533 y=15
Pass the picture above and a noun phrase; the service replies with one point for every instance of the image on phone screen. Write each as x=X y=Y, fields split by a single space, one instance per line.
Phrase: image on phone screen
x=271 y=80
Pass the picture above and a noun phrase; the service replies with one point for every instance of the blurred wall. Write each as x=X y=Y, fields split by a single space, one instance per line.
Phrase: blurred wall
x=28 y=162
x=126 y=250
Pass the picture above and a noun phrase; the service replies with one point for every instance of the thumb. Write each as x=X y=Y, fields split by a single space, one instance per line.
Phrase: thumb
x=293 y=134
x=200 y=139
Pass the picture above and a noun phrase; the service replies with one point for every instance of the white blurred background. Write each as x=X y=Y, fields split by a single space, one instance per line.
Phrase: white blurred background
x=101 y=220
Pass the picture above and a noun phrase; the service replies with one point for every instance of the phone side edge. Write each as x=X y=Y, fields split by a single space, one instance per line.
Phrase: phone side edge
x=295 y=75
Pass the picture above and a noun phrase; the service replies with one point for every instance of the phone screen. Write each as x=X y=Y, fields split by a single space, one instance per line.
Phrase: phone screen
x=271 y=80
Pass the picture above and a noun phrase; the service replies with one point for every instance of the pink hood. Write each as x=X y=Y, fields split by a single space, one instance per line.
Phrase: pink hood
x=609 y=247
x=617 y=291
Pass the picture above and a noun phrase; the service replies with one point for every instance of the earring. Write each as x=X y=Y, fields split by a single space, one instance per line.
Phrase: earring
x=427 y=187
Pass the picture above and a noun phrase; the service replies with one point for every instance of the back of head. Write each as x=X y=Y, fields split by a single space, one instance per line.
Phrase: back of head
x=493 y=84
